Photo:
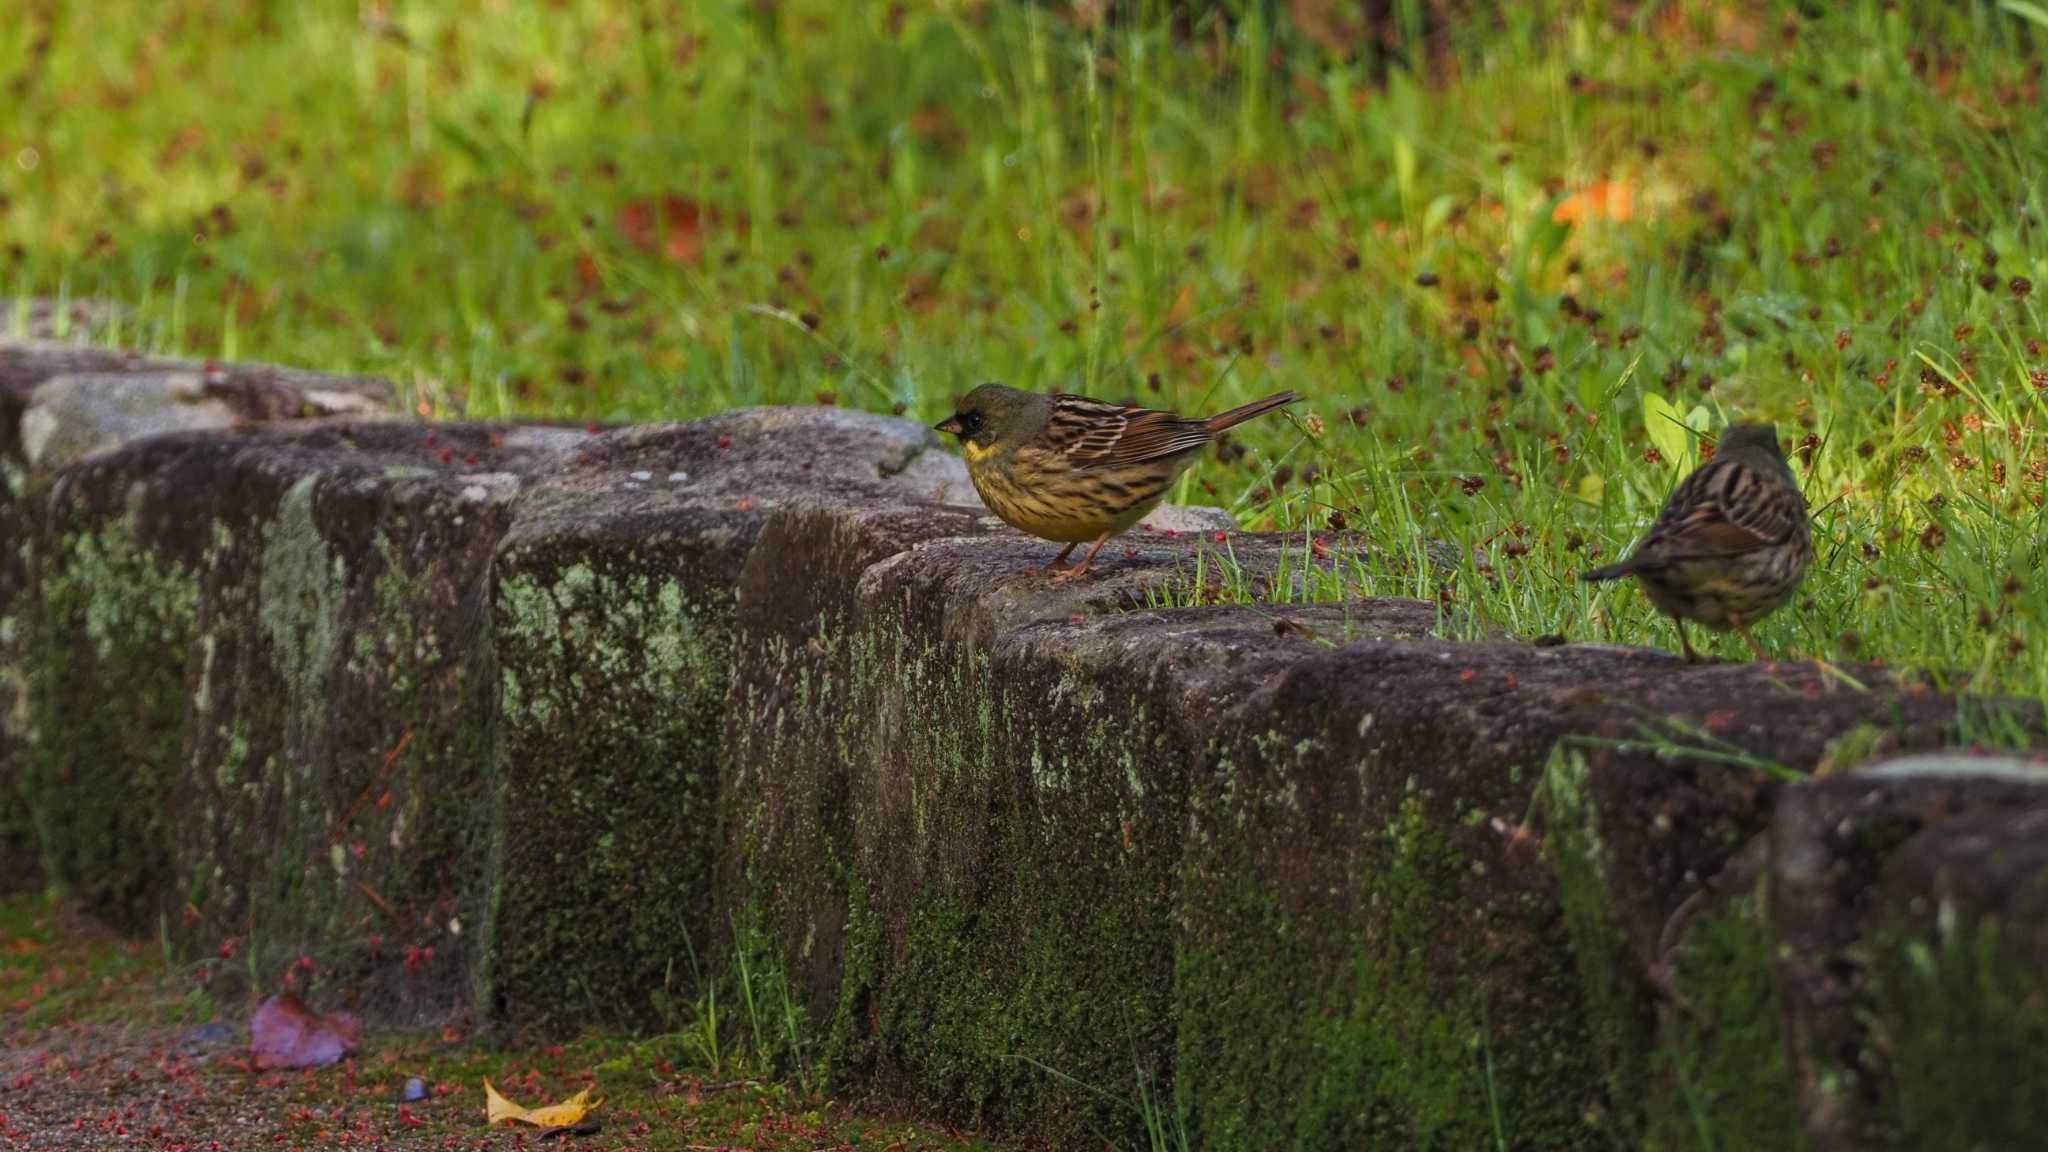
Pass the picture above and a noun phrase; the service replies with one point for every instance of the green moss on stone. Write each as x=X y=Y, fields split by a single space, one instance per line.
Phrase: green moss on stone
x=1331 y=996
x=20 y=867
x=113 y=624
x=333 y=802
x=299 y=601
x=1032 y=986
x=1707 y=1069
x=612 y=679
x=1619 y=1013
x=943 y=1019
x=849 y=1045
x=1961 y=1016
x=1723 y=1071
x=999 y=847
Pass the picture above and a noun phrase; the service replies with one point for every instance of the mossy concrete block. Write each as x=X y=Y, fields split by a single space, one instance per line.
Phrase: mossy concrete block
x=61 y=401
x=960 y=803
x=20 y=868
x=1371 y=951
x=1366 y=890
x=974 y=591
x=74 y=416
x=1961 y=979
x=1655 y=831
x=261 y=697
x=105 y=638
x=1910 y=904
x=259 y=392
x=613 y=611
x=786 y=830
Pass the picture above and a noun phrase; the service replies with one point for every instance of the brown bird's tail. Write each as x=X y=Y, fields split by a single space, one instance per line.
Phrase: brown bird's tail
x=1236 y=416
x=1611 y=572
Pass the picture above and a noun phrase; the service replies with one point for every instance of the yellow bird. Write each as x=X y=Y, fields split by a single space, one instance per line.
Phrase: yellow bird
x=1072 y=469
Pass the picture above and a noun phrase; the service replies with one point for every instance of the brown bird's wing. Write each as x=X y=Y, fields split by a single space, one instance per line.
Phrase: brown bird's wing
x=1092 y=433
x=1723 y=509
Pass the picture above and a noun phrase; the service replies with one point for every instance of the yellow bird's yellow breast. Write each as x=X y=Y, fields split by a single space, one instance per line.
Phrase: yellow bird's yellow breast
x=1042 y=494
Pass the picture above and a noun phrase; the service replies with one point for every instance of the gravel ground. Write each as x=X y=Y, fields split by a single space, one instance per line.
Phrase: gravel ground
x=100 y=1049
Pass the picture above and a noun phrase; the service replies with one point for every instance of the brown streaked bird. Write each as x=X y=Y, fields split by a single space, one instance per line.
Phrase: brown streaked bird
x=1072 y=469
x=1732 y=543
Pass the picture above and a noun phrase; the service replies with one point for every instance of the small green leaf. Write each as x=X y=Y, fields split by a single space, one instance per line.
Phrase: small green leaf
x=1667 y=431
x=2026 y=10
x=1439 y=210
x=1404 y=166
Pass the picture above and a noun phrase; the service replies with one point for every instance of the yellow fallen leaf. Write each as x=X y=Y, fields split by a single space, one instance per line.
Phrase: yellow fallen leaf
x=499 y=1110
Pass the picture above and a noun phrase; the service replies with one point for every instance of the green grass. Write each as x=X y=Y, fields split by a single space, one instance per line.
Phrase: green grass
x=653 y=210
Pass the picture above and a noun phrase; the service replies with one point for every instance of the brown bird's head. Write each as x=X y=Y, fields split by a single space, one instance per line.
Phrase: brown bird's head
x=994 y=415
x=1754 y=445
x=1749 y=438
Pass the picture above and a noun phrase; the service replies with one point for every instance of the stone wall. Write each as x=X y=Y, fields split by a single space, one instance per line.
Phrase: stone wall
x=544 y=726
x=60 y=403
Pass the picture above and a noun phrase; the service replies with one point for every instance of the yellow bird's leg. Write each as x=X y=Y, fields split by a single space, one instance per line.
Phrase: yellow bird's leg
x=1076 y=570
x=1743 y=630
x=1054 y=565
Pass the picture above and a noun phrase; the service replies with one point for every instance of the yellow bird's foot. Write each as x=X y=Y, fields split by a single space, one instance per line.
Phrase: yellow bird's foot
x=1057 y=563
x=1064 y=575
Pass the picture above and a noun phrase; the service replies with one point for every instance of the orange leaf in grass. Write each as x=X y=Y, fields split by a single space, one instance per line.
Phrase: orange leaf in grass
x=1183 y=307
x=1600 y=200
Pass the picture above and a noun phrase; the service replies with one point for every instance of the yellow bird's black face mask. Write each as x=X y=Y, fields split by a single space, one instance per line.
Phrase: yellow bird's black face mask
x=966 y=425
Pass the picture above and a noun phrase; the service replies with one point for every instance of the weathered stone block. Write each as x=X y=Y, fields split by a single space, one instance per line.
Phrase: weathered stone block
x=20 y=866
x=960 y=801
x=1656 y=832
x=61 y=402
x=261 y=695
x=613 y=612
x=1910 y=905
x=1367 y=914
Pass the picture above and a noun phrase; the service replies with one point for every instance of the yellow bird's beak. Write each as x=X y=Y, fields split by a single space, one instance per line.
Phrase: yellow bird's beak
x=950 y=425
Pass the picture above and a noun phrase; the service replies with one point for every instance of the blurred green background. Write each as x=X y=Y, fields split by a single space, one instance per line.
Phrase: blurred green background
x=1518 y=256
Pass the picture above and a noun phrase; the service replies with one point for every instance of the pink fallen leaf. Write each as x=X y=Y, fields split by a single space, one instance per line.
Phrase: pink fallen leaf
x=284 y=1033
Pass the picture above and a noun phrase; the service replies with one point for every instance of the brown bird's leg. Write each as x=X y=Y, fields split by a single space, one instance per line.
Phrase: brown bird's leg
x=1685 y=643
x=1056 y=562
x=1743 y=630
x=1076 y=570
